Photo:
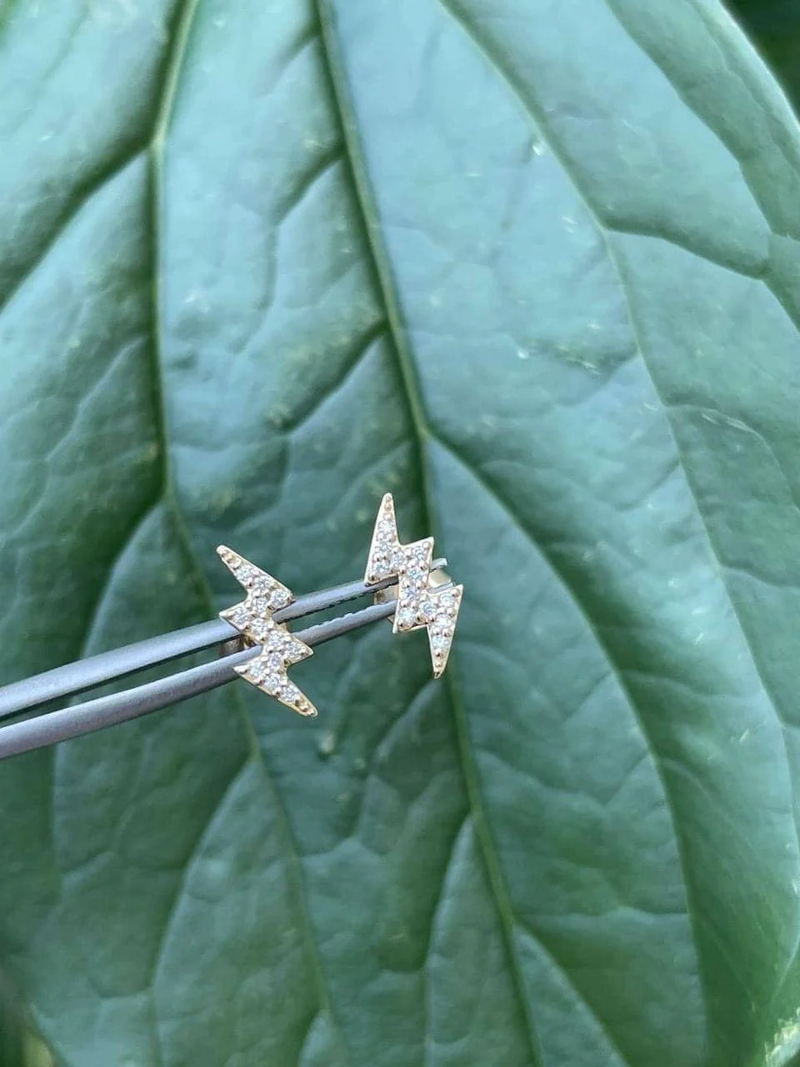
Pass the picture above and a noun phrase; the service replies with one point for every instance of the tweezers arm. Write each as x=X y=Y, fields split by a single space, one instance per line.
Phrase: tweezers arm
x=152 y=696
x=108 y=666
x=62 y=682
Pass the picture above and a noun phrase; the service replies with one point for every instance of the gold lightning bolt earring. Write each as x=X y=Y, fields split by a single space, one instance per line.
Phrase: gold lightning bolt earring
x=425 y=596
x=253 y=619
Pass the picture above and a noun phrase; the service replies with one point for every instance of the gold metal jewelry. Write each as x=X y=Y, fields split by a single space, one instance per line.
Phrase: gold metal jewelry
x=425 y=598
x=252 y=617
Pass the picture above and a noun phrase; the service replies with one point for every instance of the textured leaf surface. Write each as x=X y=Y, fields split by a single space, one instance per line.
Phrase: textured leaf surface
x=533 y=267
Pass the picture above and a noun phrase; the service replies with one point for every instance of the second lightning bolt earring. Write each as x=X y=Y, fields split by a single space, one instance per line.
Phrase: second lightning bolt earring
x=422 y=601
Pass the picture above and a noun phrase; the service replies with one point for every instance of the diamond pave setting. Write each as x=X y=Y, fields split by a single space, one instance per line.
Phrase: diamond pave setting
x=419 y=602
x=253 y=619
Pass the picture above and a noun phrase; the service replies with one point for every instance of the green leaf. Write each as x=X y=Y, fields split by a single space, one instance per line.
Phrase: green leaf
x=534 y=268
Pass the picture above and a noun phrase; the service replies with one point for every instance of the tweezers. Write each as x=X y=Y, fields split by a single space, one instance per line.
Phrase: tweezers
x=96 y=714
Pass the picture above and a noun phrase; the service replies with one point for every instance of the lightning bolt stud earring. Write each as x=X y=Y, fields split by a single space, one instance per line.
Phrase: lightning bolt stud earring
x=253 y=619
x=425 y=595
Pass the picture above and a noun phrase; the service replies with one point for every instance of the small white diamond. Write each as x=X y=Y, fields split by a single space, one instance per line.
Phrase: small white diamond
x=249 y=575
x=380 y=569
x=289 y=640
x=257 y=670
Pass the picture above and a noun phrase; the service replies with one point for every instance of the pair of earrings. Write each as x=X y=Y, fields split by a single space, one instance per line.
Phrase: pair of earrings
x=425 y=598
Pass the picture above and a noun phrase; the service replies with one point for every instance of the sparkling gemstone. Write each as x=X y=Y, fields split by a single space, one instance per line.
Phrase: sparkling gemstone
x=295 y=652
x=248 y=574
x=257 y=670
x=446 y=607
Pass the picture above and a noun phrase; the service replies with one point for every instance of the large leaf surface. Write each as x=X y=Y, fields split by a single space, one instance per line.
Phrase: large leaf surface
x=534 y=267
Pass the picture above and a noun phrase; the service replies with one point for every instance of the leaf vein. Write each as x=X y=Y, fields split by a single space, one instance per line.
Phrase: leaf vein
x=182 y=34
